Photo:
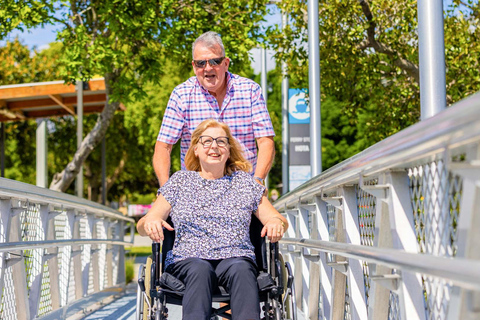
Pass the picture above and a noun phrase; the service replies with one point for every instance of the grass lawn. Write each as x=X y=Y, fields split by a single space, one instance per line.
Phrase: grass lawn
x=139 y=251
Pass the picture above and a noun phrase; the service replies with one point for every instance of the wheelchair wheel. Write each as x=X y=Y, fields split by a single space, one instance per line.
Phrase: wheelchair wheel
x=147 y=305
x=140 y=296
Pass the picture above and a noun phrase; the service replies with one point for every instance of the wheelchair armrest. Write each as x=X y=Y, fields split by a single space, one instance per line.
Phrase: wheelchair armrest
x=265 y=281
x=169 y=282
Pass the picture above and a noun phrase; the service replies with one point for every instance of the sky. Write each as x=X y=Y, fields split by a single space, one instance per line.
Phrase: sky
x=40 y=38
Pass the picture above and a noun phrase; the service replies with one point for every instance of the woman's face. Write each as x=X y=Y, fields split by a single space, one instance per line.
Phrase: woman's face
x=213 y=149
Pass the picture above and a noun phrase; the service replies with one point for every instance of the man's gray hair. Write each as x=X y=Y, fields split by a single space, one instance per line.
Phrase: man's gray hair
x=209 y=39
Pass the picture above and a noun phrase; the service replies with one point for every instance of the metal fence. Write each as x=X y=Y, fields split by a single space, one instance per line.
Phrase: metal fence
x=55 y=249
x=392 y=232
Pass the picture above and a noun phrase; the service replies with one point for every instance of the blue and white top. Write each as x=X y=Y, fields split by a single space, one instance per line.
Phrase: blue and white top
x=211 y=217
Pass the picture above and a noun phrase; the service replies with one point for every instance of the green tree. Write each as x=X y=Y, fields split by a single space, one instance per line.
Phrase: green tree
x=369 y=63
x=128 y=42
x=130 y=139
x=24 y=14
x=17 y=65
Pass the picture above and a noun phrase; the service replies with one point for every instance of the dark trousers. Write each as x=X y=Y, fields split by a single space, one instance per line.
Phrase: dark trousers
x=237 y=275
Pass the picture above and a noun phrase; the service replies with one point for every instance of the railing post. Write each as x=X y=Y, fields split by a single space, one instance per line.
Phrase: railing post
x=51 y=258
x=36 y=272
x=402 y=229
x=121 y=254
x=77 y=253
x=103 y=252
x=5 y=216
x=325 y=270
x=295 y=253
x=339 y=278
x=356 y=287
x=304 y=233
x=95 y=251
x=68 y=257
x=310 y=258
x=465 y=304
x=109 y=257
x=87 y=253
x=17 y=263
x=378 y=301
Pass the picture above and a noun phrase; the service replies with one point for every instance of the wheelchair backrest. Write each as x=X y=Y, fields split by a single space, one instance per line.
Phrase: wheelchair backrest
x=257 y=241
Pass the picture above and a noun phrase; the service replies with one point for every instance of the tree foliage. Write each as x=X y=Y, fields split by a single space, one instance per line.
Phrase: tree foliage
x=369 y=63
x=24 y=14
x=127 y=43
x=129 y=140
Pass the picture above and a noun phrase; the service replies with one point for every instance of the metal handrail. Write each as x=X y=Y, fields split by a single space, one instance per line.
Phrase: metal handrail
x=73 y=248
x=392 y=229
x=19 y=190
x=27 y=245
x=452 y=128
x=463 y=272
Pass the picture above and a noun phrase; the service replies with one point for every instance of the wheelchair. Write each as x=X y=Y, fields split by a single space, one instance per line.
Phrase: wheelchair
x=275 y=282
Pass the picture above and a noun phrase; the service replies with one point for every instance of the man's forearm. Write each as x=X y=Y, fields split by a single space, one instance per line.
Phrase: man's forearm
x=161 y=161
x=266 y=154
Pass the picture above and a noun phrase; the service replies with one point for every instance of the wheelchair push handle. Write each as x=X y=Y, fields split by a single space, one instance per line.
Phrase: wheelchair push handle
x=156 y=257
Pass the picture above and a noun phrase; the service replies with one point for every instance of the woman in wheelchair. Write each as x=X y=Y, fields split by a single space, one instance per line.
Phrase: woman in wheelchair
x=211 y=206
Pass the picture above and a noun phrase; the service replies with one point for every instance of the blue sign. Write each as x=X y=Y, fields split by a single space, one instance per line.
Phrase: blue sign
x=298 y=109
x=299 y=138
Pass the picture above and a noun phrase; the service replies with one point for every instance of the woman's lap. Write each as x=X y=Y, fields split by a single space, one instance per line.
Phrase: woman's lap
x=237 y=275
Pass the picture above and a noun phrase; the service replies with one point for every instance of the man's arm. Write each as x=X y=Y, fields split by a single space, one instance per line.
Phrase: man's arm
x=266 y=154
x=161 y=161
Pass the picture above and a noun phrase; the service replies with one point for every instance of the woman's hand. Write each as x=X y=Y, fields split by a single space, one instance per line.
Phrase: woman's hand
x=152 y=224
x=154 y=229
x=274 y=229
x=274 y=224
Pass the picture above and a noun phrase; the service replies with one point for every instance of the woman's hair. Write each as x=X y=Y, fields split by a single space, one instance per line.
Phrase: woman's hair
x=235 y=162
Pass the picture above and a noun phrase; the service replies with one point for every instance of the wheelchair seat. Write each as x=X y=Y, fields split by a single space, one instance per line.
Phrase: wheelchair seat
x=275 y=279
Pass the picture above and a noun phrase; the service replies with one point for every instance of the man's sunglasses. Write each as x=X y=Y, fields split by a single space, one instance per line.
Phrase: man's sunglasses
x=211 y=62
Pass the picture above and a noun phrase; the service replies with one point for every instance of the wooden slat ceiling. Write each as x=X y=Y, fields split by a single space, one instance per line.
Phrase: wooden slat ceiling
x=49 y=99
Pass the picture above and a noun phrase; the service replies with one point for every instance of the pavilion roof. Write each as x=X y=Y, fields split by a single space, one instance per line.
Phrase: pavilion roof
x=49 y=99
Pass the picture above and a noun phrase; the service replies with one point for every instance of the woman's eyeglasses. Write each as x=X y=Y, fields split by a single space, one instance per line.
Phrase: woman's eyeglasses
x=211 y=62
x=207 y=141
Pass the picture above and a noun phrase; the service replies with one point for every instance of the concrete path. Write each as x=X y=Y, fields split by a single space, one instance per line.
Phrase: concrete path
x=124 y=308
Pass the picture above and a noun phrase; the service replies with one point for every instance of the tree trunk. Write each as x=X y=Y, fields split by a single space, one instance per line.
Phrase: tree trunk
x=61 y=181
x=118 y=170
x=93 y=183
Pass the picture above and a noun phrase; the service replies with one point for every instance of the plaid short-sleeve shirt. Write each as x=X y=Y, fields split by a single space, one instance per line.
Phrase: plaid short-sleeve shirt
x=243 y=110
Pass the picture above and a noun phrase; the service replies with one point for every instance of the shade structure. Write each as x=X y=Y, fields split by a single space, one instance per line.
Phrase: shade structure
x=49 y=99
x=43 y=100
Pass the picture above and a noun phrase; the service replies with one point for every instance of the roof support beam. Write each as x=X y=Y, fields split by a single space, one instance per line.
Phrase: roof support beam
x=4 y=111
x=59 y=100
x=48 y=102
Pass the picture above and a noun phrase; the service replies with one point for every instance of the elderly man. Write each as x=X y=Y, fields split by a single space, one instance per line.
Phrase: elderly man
x=215 y=93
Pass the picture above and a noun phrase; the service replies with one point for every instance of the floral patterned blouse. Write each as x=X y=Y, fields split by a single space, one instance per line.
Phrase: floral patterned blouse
x=211 y=217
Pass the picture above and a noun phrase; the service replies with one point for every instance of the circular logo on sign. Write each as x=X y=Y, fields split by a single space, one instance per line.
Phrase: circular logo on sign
x=298 y=107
